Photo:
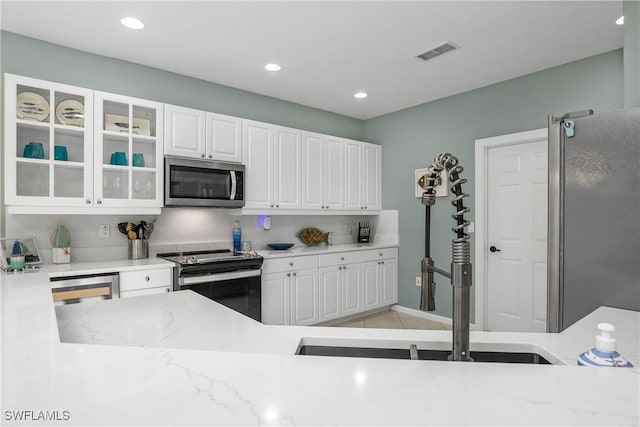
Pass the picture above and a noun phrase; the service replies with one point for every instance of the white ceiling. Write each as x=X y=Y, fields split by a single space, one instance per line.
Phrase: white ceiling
x=330 y=50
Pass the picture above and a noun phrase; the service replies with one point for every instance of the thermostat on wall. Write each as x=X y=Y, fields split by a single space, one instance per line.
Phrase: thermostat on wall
x=421 y=178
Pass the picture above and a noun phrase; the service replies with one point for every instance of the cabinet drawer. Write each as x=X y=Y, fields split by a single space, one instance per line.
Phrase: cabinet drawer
x=144 y=279
x=375 y=254
x=288 y=264
x=148 y=291
x=340 y=258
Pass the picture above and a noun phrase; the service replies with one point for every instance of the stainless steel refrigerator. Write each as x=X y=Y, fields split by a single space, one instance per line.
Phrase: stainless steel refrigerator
x=594 y=214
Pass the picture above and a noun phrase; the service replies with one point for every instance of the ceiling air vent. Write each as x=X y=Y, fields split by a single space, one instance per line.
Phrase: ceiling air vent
x=437 y=51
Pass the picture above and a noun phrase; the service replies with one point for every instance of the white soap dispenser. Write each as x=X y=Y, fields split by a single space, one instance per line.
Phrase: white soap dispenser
x=604 y=354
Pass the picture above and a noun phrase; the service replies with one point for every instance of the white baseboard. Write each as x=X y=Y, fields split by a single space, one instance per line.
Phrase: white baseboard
x=428 y=316
x=422 y=314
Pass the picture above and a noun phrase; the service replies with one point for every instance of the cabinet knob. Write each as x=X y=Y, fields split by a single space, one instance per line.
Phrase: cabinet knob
x=381 y=262
x=291 y=264
x=288 y=274
x=294 y=274
x=210 y=156
x=167 y=290
x=88 y=201
x=366 y=207
x=271 y=205
x=341 y=258
x=361 y=207
x=99 y=202
x=380 y=253
x=202 y=155
x=146 y=278
x=277 y=206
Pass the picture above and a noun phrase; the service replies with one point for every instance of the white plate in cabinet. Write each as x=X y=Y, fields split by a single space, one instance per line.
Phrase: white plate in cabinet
x=147 y=291
x=144 y=279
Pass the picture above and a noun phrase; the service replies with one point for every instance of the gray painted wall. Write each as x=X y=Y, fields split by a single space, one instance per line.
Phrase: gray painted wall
x=36 y=58
x=412 y=137
x=631 y=11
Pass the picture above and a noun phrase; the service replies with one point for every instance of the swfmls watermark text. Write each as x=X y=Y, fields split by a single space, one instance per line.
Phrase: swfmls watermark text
x=36 y=415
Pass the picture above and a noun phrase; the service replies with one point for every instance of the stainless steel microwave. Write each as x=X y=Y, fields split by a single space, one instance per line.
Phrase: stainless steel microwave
x=203 y=183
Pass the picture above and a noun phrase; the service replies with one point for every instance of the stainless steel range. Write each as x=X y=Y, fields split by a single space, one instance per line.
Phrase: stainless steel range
x=231 y=279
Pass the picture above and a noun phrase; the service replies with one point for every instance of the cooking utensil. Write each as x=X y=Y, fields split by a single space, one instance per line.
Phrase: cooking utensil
x=140 y=231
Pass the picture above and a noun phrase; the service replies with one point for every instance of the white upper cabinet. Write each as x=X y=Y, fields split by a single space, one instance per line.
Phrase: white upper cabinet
x=363 y=176
x=257 y=156
x=73 y=150
x=48 y=143
x=322 y=172
x=310 y=172
x=128 y=161
x=371 y=176
x=202 y=135
x=184 y=132
x=313 y=163
x=224 y=138
x=272 y=156
x=287 y=168
x=354 y=172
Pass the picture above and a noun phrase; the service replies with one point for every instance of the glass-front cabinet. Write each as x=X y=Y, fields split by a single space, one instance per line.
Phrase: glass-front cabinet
x=67 y=147
x=128 y=151
x=48 y=143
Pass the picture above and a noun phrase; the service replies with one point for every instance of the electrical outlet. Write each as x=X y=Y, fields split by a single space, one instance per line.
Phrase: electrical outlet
x=104 y=230
x=418 y=281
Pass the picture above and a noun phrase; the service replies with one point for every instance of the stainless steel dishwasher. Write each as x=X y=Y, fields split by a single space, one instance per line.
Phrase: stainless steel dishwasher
x=84 y=288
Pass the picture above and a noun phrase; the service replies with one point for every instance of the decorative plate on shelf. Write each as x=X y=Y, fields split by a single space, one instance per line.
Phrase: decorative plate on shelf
x=280 y=246
x=31 y=106
x=70 y=112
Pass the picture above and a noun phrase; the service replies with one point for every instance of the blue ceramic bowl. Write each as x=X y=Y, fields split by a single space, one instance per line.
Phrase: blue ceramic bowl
x=280 y=246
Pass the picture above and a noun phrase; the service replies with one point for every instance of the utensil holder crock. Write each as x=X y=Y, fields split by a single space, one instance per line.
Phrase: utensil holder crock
x=138 y=249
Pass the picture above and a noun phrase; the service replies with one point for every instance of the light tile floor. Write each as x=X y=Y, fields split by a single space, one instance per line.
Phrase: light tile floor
x=391 y=319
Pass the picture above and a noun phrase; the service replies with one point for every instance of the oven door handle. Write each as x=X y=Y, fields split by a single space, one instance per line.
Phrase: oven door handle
x=233 y=185
x=218 y=277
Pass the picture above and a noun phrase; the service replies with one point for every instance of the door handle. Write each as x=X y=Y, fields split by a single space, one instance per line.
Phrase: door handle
x=494 y=249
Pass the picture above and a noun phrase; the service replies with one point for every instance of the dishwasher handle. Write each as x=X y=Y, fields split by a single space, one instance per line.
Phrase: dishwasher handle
x=66 y=282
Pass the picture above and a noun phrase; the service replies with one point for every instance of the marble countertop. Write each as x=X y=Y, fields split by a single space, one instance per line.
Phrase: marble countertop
x=180 y=359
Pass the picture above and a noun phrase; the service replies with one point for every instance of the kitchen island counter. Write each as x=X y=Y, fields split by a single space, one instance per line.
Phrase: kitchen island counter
x=181 y=359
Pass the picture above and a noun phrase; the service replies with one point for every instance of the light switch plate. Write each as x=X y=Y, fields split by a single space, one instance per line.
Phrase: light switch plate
x=441 y=189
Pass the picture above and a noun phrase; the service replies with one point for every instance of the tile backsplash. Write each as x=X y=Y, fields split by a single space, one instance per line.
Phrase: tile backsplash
x=180 y=226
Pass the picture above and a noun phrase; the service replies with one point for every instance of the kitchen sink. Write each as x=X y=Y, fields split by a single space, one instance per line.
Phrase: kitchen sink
x=480 y=352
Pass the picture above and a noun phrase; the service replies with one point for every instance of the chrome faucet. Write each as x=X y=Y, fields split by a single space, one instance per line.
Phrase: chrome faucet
x=460 y=274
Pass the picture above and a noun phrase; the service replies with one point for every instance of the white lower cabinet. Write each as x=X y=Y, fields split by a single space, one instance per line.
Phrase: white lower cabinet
x=275 y=299
x=340 y=291
x=306 y=290
x=304 y=297
x=145 y=282
x=380 y=272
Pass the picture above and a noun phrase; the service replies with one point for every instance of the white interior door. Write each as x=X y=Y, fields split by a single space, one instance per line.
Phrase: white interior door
x=516 y=242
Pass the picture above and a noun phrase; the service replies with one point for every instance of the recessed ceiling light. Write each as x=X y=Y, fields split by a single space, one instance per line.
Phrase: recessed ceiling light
x=131 y=22
x=360 y=95
x=620 y=21
x=272 y=67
